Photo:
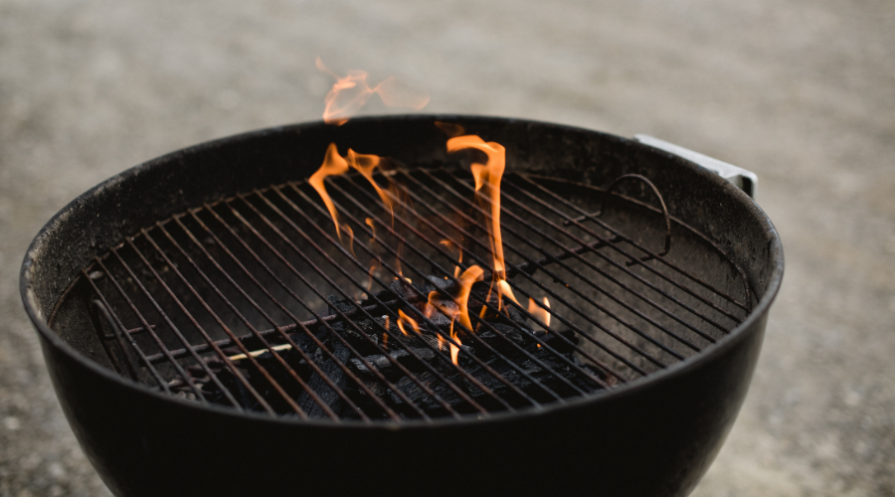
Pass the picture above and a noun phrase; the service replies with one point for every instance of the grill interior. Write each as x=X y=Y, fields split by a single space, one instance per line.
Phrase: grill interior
x=253 y=303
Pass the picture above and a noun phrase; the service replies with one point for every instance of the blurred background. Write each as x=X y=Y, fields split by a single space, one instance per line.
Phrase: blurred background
x=802 y=92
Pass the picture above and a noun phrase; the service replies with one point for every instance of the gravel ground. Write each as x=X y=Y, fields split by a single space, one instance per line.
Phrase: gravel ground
x=800 y=91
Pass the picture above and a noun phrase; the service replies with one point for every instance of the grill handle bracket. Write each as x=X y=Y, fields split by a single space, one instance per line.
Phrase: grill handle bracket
x=741 y=178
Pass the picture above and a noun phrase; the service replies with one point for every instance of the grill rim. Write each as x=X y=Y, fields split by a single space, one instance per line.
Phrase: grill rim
x=737 y=334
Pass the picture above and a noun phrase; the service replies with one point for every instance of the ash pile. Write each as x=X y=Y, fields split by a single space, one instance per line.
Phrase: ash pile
x=424 y=365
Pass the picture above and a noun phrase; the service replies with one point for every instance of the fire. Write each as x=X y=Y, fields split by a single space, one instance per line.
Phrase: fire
x=537 y=311
x=489 y=174
x=333 y=165
x=453 y=310
x=336 y=165
x=349 y=93
x=365 y=164
x=449 y=244
x=404 y=318
x=455 y=351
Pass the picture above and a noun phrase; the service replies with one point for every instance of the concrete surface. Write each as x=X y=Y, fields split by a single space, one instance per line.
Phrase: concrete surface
x=800 y=91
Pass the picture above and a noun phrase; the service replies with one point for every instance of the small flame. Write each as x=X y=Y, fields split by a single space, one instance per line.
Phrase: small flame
x=385 y=335
x=449 y=244
x=470 y=276
x=336 y=165
x=452 y=310
x=333 y=165
x=540 y=313
x=350 y=239
x=365 y=164
x=489 y=174
x=450 y=129
x=349 y=93
x=455 y=351
x=504 y=289
x=404 y=318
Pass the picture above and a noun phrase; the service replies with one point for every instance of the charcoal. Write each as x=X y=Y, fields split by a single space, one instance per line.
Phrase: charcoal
x=558 y=344
x=419 y=397
x=381 y=363
x=406 y=290
x=504 y=344
x=503 y=340
x=329 y=367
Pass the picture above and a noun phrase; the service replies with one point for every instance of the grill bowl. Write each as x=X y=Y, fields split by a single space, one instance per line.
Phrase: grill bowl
x=655 y=435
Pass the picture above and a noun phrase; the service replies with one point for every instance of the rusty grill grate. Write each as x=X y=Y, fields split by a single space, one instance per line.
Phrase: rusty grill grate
x=253 y=303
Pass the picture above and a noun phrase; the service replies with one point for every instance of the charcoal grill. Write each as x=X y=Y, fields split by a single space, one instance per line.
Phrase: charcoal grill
x=208 y=332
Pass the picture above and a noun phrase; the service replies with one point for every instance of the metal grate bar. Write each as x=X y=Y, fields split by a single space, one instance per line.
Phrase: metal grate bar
x=438 y=248
x=187 y=379
x=602 y=243
x=333 y=332
x=527 y=275
x=435 y=265
x=282 y=329
x=540 y=266
x=647 y=266
x=394 y=336
x=345 y=295
x=595 y=217
x=193 y=320
x=118 y=325
x=627 y=271
x=280 y=390
x=222 y=273
x=576 y=253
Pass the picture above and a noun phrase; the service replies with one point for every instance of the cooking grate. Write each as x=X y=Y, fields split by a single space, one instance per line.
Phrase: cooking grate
x=252 y=302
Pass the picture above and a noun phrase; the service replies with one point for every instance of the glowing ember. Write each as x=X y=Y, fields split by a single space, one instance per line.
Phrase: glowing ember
x=350 y=93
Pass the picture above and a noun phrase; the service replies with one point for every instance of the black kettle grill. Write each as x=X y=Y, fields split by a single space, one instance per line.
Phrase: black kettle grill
x=208 y=333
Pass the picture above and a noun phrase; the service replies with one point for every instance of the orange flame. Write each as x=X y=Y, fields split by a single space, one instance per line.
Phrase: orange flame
x=489 y=174
x=333 y=165
x=365 y=164
x=404 y=318
x=449 y=244
x=470 y=276
x=537 y=311
x=336 y=165
x=455 y=351
x=351 y=92
x=452 y=310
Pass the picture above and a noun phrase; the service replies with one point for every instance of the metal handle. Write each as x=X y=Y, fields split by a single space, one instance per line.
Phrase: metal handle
x=741 y=178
